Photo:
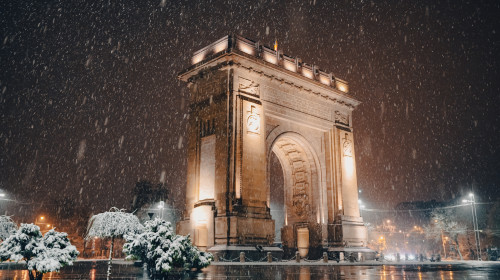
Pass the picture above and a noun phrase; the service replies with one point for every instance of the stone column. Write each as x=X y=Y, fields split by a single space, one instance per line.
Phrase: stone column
x=353 y=232
x=248 y=220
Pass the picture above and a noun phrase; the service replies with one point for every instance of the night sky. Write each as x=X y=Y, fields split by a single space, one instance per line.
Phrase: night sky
x=90 y=102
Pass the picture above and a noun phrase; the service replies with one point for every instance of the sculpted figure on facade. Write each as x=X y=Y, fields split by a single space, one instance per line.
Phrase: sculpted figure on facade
x=347 y=145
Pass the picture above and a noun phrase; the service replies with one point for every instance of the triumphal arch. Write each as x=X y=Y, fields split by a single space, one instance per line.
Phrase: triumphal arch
x=248 y=104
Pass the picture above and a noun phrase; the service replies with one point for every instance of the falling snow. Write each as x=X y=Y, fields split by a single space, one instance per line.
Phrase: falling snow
x=91 y=104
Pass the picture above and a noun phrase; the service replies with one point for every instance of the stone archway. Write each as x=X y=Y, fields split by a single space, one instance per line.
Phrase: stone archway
x=301 y=186
x=248 y=102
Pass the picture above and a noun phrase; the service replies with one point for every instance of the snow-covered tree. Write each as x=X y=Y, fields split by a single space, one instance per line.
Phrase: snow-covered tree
x=162 y=250
x=444 y=222
x=41 y=253
x=7 y=227
x=112 y=224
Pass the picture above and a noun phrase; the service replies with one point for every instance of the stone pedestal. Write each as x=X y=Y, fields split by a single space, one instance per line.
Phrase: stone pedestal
x=354 y=232
x=351 y=253
x=235 y=230
x=252 y=253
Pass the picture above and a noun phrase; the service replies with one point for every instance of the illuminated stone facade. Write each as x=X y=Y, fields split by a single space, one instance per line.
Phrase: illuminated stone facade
x=246 y=102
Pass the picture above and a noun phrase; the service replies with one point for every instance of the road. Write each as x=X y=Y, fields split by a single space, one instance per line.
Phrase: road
x=304 y=271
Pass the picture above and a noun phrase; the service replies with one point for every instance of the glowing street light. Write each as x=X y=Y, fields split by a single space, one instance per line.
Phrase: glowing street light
x=361 y=206
x=472 y=202
x=40 y=220
x=161 y=206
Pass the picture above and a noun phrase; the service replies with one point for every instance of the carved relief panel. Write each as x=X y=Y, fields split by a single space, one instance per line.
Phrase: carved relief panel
x=248 y=86
x=341 y=118
x=253 y=120
x=347 y=145
x=299 y=198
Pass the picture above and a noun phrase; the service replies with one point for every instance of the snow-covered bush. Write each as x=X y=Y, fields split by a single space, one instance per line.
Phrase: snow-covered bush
x=7 y=227
x=59 y=252
x=162 y=250
x=114 y=223
x=41 y=253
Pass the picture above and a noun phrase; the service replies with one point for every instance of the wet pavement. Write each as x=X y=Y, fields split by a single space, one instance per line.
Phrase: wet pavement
x=279 y=271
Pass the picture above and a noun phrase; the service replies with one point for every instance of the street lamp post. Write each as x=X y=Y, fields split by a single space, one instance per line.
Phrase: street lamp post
x=472 y=202
x=2 y=197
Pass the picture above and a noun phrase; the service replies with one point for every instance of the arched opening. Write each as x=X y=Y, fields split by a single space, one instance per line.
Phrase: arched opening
x=294 y=194
x=277 y=195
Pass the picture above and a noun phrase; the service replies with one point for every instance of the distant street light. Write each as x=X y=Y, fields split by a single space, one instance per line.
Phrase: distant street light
x=40 y=221
x=472 y=202
x=361 y=206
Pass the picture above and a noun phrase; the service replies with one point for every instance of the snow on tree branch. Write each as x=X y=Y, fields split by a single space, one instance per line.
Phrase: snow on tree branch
x=7 y=227
x=113 y=223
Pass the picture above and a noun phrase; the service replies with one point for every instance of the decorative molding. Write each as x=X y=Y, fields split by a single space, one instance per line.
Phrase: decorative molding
x=210 y=69
x=292 y=84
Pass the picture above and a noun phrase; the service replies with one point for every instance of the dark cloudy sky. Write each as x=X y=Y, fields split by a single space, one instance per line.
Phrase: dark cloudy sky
x=90 y=102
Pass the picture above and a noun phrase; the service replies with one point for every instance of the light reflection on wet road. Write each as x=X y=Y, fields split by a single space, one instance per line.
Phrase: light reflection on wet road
x=97 y=270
